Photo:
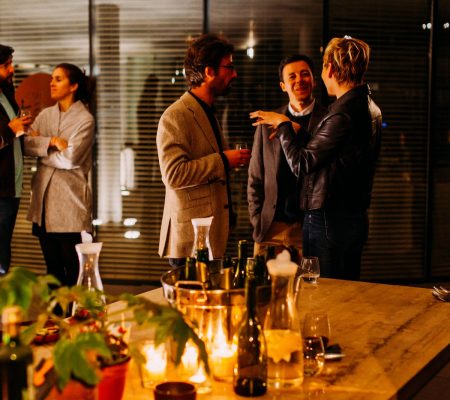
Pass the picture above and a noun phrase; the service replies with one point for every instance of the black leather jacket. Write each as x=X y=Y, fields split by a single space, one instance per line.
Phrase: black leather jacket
x=338 y=162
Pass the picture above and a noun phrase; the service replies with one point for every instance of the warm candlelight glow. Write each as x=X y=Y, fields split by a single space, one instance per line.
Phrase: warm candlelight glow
x=223 y=359
x=223 y=353
x=189 y=360
x=154 y=369
x=200 y=376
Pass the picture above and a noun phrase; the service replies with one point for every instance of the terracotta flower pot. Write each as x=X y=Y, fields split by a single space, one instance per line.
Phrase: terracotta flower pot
x=112 y=384
x=74 y=390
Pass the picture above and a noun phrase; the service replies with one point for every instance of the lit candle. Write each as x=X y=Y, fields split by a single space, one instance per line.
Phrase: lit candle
x=192 y=367
x=154 y=369
x=223 y=353
x=189 y=360
x=223 y=358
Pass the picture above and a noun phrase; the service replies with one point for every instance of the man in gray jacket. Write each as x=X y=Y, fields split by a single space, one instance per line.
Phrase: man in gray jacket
x=193 y=155
x=272 y=187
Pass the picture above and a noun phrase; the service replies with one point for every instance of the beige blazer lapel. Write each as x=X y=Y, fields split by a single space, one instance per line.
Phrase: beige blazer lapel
x=201 y=119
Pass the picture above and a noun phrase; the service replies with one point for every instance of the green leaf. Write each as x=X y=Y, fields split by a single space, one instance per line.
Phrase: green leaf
x=77 y=357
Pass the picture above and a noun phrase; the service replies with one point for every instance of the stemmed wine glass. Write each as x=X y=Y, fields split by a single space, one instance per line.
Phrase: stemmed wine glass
x=310 y=269
x=317 y=325
x=316 y=335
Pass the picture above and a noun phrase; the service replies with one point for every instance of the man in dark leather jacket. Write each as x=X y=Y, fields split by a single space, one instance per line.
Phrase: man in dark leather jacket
x=338 y=162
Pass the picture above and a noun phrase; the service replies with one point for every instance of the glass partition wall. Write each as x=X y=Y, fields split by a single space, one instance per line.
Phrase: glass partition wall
x=134 y=50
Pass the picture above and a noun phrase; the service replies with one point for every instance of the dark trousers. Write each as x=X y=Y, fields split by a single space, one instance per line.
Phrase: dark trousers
x=60 y=255
x=338 y=240
x=9 y=206
x=177 y=262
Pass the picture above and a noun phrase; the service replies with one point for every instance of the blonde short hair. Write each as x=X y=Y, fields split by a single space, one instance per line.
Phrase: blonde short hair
x=349 y=58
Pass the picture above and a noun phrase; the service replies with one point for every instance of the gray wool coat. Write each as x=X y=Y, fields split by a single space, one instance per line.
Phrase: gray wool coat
x=60 y=185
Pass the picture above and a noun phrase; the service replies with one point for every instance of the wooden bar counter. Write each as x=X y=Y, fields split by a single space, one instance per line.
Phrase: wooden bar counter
x=395 y=339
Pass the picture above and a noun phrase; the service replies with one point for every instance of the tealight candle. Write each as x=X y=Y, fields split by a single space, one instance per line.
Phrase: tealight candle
x=223 y=359
x=193 y=370
x=189 y=360
x=154 y=369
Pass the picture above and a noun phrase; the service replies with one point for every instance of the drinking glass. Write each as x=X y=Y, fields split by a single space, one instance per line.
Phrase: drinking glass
x=310 y=269
x=317 y=325
x=241 y=146
x=313 y=355
x=175 y=391
x=24 y=112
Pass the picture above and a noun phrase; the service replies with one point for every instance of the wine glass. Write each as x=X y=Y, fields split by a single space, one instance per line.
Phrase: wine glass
x=310 y=269
x=317 y=325
x=241 y=146
x=313 y=355
x=24 y=112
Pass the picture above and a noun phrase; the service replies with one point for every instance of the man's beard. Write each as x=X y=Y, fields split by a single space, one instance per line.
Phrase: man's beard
x=8 y=81
x=226 y=90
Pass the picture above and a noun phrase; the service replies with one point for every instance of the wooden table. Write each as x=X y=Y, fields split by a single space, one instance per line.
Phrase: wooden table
x=395 y=339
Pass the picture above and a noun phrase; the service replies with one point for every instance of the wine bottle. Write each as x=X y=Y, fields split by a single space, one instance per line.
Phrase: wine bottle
x=260 y=270
x=16 y=360
x=239 y=275
x=189 y=269
x=250 y=374
x=270 y=255
x=202 y=267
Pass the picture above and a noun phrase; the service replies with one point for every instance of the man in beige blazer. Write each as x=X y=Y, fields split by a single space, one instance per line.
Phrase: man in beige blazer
x=193 y=155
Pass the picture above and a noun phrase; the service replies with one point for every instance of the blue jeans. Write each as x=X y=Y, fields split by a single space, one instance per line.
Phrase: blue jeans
x=8 y=213
x=337 y=238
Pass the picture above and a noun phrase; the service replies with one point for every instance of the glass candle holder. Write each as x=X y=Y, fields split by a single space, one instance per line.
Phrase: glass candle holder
x=153 y=371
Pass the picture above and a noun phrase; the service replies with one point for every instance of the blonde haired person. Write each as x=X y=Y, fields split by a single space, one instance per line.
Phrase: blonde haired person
x=61 y=200
x=338 y=162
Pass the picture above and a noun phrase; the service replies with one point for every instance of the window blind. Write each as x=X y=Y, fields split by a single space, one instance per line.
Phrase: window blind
x=43 y=35
x=137 y=49
x=141 y=45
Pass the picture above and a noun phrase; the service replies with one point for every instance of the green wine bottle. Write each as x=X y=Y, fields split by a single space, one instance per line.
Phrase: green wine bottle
x=16 y=360
x=250 y=374
x=239 y=275
x=189 y=269
x=202 y=265
x=260 y=270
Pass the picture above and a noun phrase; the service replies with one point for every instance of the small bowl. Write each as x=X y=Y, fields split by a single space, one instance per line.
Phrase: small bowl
x=175 y=391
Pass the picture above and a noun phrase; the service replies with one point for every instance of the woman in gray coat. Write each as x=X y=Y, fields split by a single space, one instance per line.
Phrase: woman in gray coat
x=61 y=202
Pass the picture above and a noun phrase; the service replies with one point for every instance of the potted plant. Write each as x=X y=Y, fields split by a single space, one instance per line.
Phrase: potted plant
x=86 y=341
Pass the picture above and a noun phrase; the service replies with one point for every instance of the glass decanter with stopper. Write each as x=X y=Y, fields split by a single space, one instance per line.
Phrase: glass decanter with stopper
x=282 y=326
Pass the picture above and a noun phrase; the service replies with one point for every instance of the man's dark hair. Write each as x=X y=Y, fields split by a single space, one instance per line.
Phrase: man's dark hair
x=5 y=53
x=293 y=58
x=205 y=51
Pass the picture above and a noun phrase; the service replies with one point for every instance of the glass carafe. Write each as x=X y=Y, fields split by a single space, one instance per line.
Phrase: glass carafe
x=282 y=327
x=89 y=275
x=201 y=235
